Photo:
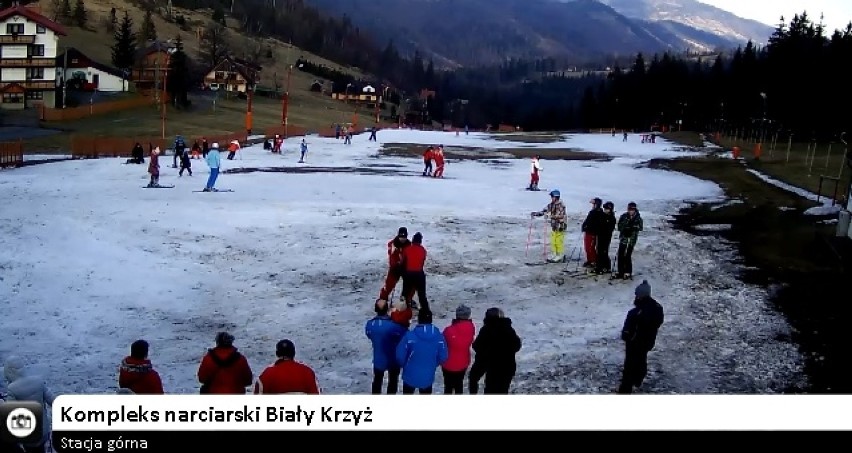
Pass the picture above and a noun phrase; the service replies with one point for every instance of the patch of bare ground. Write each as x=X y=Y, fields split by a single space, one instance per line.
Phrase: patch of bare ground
x=478 y=153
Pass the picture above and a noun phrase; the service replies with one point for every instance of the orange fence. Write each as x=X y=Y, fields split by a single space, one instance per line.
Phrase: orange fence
x=101 y=108
x=11 y=154
x=291 y=131
x=95 y=147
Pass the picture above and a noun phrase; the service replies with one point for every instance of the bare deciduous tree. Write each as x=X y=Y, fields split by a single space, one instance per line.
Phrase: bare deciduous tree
x=214 y=43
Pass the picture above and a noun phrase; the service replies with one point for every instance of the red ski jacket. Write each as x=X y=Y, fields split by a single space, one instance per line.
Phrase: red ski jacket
x=428 y=155
x=139 y=376
x=226 y=371
x=395 y=248
x=287 y=376
x=414 y=257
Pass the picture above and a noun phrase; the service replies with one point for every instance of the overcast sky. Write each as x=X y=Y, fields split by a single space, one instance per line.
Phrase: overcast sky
x=837 y=13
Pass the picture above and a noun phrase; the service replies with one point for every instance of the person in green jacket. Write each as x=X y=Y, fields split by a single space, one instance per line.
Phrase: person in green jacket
x=629 y=226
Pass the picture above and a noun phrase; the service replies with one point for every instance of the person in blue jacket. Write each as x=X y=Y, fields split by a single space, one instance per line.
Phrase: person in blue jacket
x=214 y=162
x=385 y=334
x=421 y=351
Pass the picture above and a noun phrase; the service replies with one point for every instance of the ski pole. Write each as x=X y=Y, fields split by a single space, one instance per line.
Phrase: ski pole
x=545 y=242
x=529 y=237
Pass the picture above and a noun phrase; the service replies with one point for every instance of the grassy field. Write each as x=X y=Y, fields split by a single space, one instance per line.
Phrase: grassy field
x=801 y=167
x=306 y=109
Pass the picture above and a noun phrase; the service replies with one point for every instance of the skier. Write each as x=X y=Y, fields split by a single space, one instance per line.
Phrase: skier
x=604 y=239
x=276 y=144
x=205 y=147
x=304 y=150
x=213 y=161
x=154 y=167
x=179 y=146
x=625 y=137
x=337 y=131
x=639 y=333
x=348 y=140
x=385 y=335
x=555 y=212
x=439 y=162
x=233 y=147
x=427 y=161
x=395 y=249
x=373 y=134
x=185 y=163
x=414 y=278
x=137 y=155
x=196 y=150
x=590 y=229
x=629 y=225
x=534 y=171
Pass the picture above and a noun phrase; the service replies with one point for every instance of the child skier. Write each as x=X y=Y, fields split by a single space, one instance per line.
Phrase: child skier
x=276 y=144
x=185 y=163
x=154 y=167
x=233 y=147
x=534 y=171
x=214 y=163
x=304 y=149
x=555 y=213
x=427 y=161
x=179 y=146
x=439 y=162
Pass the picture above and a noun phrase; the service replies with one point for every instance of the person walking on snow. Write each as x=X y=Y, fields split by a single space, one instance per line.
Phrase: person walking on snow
x=385 y=335
x=213 y=161
x=459 y=336
x=348 y=140
x=179 y=147
x=555 y=212
x=439 y=162
x=495 y=347
x=427 y=161
x=414 y=277
x=154 y=167
x=233 y=148
x=136 y=372
x=205 y=147
x=276 y=144
x=420 y=353
x=223 y=370
x=639 y=333
x=534 y=171
x=395 y=270
x=373 y=134
x=185 y=163
x=629 y=225
x=604 y=239
x=196 y=150
x=304 y=150
x=286 y=375
x=590 y=229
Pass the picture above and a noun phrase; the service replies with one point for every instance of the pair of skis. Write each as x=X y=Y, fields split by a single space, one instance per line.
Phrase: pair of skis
x=172 y=187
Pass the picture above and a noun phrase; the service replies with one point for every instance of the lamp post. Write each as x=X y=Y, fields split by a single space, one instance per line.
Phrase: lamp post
x=165 y=79
x=285 y=101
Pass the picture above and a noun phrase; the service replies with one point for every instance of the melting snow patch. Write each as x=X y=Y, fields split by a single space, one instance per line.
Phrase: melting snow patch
x=789 y=188
x=713 y=227
x=823 y=210
x=786 y=208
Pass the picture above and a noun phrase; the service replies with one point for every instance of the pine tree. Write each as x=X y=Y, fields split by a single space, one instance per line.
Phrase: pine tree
x=178 y=77
x=65 y=12
x=147 y=31
x=80 y=14
x=124 y=47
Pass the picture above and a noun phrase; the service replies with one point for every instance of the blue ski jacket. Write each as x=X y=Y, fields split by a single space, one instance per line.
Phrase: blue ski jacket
x=421 y=351
x=385 y=336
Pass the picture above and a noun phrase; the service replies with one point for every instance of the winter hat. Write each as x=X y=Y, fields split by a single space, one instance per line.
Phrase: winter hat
x=403 y=232
x=463 y=312
x=493 y=312
x=643 y=290
x=224 y=340
x=418 y=238
x=609 y=205
x=424 y=316
x=631 y=205
x=215 y=145
x=285 y=349
x=597 y=202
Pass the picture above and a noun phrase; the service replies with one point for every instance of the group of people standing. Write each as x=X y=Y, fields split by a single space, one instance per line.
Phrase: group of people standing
x=597 y=230
x=435 y=153
x=211 y=157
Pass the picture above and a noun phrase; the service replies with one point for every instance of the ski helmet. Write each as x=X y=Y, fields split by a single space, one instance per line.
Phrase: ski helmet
x=554 y=193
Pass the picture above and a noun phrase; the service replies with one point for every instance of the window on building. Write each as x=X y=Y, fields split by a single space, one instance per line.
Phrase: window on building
x=36 y=50
x=220 y=75
x=35 y=95
x=14 y=29
x=35 y=73
x=13 y=98
x=40 y=29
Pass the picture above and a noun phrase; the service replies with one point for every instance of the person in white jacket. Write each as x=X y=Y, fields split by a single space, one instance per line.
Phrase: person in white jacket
x=21 y=387
x=535 y=169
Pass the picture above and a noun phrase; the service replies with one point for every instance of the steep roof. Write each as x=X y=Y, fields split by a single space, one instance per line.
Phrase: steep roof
x=28 y=13
x=74 y=53
x=242 y=67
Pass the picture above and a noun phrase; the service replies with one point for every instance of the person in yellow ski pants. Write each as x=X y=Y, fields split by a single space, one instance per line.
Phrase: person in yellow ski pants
x=555 y=212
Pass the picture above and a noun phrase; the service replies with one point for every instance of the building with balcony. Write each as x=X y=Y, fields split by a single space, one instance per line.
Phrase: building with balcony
x=152 y=65
x=232 y=75
x=28 y=45
x=356 y=93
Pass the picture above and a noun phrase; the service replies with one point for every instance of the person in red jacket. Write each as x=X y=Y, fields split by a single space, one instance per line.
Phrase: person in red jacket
x=286 y=375
x=427 y=161
x=414 y=278
x=395 y=247
x=136 y=372
x=223 y=370
x=459 y=337
x=439 y=162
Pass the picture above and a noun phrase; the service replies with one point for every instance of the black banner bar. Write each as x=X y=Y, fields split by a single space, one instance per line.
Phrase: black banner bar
x=214 y=441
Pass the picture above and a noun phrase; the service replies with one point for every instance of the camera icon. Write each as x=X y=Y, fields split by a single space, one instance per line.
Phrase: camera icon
x=21 y=422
